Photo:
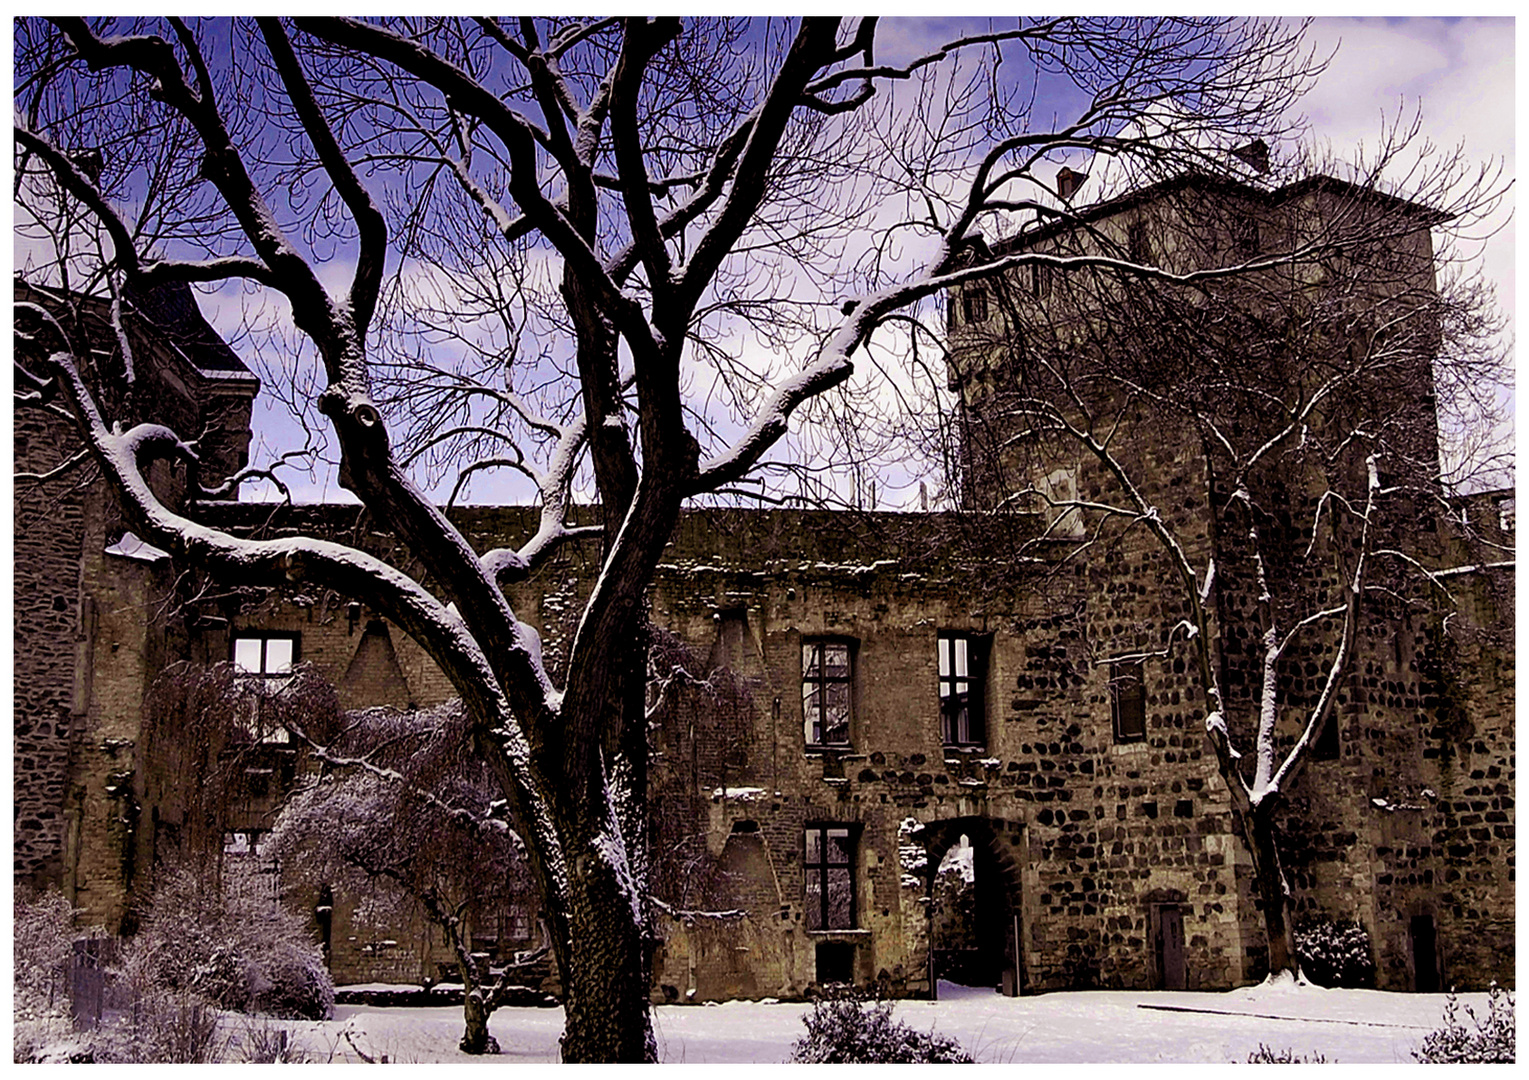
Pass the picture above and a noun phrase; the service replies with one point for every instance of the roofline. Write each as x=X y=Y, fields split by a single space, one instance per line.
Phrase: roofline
x=1269 y=197
x=240 y=380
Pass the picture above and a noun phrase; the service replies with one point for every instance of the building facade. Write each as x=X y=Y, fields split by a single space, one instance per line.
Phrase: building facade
x=897 y=687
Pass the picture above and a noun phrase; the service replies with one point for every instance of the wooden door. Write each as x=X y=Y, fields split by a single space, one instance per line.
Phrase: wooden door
x=1170 y=943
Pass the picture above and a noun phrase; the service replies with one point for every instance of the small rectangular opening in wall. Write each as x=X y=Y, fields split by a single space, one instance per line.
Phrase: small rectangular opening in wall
x=1128 y=702
x=1184 y=808
x=1327 y=748
x=835 y=962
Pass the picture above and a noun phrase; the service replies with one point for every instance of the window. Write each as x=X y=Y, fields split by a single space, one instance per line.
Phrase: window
x=1059 y=493
x=245 y=846
x=270 y=655
x=1138 y=246
x=963 y=663
x=1040 y=280
x=1245 y=240
x=1128 y=702
x=826 y=692
x=264 y=664
x=242 y=842
x=828 y=870
x=974 y=306
x=1505 y=513
x=1326 y=747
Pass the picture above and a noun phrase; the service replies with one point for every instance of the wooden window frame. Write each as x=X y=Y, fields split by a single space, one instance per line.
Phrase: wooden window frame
x=264 y=681
x=815 y=684
x=818 y=911
x=952 y=684
x=974 y=308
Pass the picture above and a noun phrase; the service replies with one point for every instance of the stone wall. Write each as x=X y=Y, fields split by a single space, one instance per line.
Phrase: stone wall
x=53 y=626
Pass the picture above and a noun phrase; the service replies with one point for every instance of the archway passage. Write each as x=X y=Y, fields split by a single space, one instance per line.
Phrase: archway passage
x=974 y=909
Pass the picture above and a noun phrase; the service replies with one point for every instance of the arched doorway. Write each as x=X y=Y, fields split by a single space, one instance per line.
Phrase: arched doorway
x=974 y=905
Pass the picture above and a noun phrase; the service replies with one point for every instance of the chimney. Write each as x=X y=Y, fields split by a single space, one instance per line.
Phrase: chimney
x=1255 y=155
x=1068 y=182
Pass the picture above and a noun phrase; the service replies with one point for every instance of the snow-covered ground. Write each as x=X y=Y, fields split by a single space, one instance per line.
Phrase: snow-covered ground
x=1088 y=1026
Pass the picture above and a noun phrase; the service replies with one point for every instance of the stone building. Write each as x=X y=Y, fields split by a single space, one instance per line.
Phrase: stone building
x=901 y=685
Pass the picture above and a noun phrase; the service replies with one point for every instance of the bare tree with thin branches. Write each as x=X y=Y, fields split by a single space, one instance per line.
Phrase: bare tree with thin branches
x=619 y=257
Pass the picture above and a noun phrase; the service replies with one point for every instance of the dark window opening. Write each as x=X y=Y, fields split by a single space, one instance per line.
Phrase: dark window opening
x=1245 y=238
x=963 y=675
x=974 y=306
x=1138 y=246
x=1128 y=702
x=828 y=872
x=1040 y=280
x=835 y=962
x=826 y=692
x=1327 y=746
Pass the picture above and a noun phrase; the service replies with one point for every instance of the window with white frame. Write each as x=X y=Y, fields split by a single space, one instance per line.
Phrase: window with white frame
x=264 y=664
x=962 y=666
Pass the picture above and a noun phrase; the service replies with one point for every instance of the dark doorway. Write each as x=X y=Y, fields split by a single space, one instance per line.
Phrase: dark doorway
x=835 y=963
x=1170 y=947
x=973 y=930
x=1425 y=955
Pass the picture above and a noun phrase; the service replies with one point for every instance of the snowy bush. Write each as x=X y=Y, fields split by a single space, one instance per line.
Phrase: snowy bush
x=1491 y=1041
x=43 y=930
x=149 y=1023
x=1267 y=1056
x=1336 y=953
x=844 y=1031
x=238 y=948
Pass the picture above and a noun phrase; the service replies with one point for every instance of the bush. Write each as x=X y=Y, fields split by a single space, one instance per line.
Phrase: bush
x=844 y=1031
x=1336 y=953
x=43 y=929
x=1266 y=1056
x=238 y=948
x=1490 y=1043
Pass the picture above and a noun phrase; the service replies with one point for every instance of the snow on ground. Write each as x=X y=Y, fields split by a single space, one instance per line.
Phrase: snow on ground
x=1347 y=1026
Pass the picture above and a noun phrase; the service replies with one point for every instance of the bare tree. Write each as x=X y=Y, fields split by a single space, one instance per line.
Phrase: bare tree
x=1273 y=425
x=618 y=256
x=401 y=805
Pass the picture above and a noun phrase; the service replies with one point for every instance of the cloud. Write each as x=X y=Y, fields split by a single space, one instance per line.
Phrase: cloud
x=1459 y=72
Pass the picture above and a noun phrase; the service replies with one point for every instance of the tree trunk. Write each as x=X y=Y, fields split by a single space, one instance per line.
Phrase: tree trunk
x=475 y=1036
x=604 y=974
x=1269 y=883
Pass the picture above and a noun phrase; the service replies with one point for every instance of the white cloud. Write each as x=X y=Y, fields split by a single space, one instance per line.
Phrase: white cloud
x=1459 y=72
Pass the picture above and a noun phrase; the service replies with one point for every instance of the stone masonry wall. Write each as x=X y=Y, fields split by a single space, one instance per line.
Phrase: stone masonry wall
x=51 y=619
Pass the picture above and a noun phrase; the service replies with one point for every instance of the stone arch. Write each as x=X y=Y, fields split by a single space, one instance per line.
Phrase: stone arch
x=999 y=916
